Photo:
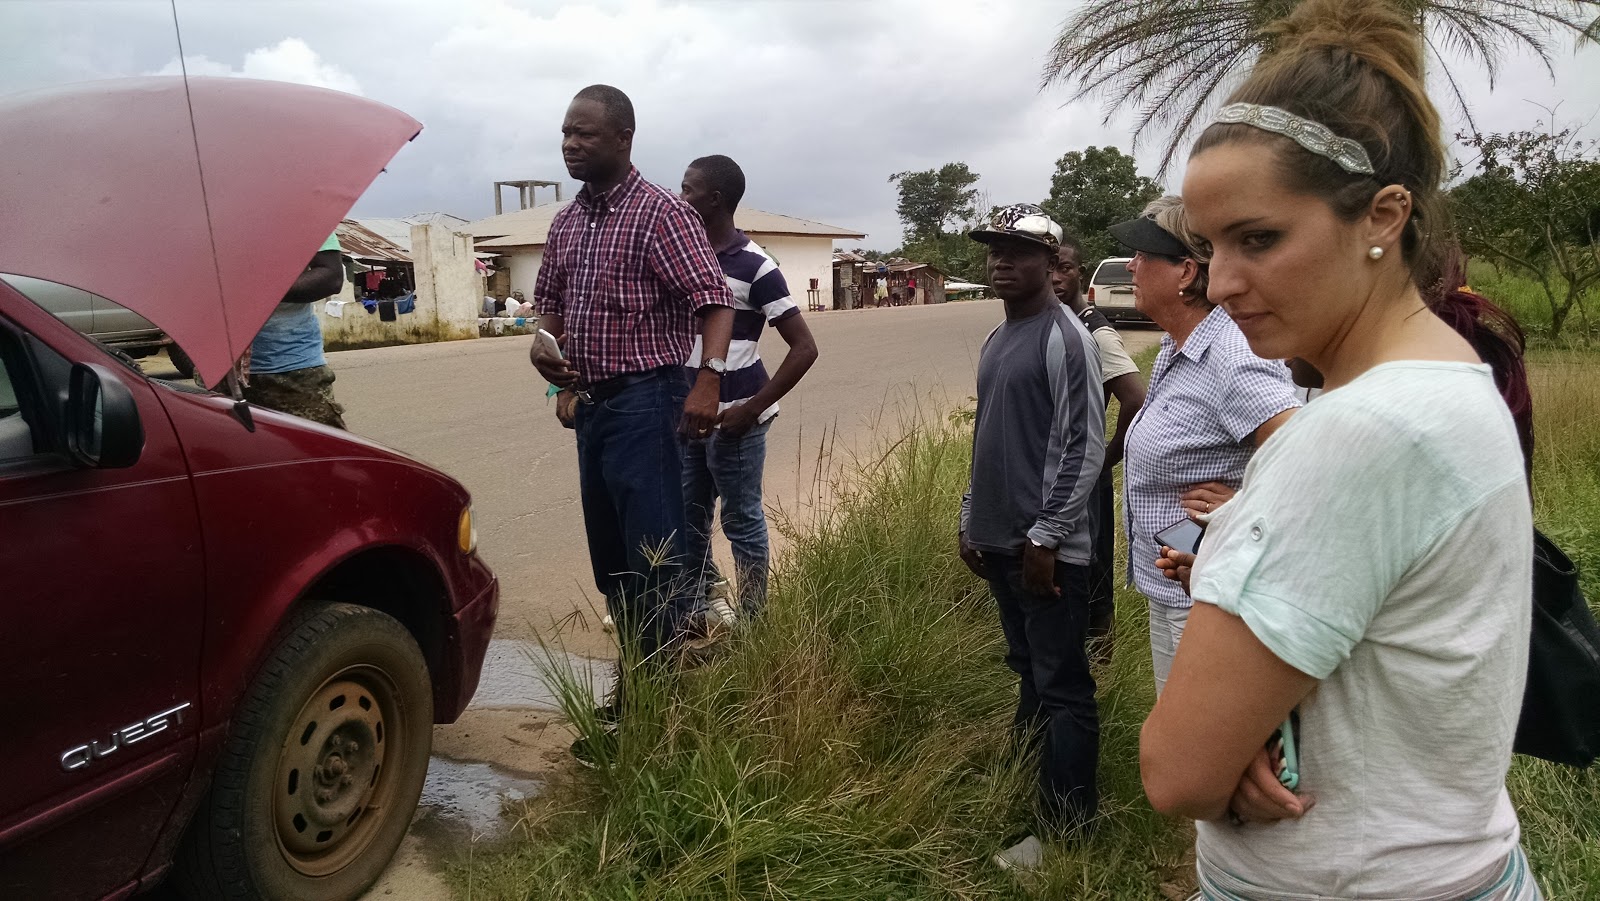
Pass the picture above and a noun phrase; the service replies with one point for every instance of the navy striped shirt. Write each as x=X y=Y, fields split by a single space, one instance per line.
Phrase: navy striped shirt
x=760 y=296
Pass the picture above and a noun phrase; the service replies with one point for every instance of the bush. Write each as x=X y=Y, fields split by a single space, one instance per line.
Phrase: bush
x=1526 y=302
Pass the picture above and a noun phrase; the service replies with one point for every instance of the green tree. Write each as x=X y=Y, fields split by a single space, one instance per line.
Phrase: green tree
x=1172 y=60
x=934 y=199
x=876 y=256
x=952 y=253
x=1533 y=206
x=1091 y=191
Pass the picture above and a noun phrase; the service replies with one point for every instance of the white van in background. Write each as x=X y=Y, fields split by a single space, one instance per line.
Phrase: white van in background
x=1111 y=291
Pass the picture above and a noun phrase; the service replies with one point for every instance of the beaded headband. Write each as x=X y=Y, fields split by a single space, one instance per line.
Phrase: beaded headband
x=1314 y=136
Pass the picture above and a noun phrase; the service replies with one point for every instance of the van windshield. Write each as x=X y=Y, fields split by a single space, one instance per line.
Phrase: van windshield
x=1112 y=272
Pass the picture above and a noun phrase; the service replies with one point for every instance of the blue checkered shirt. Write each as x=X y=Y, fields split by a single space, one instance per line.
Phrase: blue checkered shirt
x=1203 y=404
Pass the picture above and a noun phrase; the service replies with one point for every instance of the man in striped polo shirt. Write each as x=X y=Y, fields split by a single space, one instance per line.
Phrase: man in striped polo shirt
x=728 y=463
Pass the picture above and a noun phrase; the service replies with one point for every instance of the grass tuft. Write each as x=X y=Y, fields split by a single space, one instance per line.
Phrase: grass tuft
x=853 y=744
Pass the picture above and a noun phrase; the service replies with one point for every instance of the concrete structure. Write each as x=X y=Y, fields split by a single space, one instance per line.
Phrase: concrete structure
x=345 y=322
x=436 y=272
x=526 y=188
x=803 y=248
x=449 y=289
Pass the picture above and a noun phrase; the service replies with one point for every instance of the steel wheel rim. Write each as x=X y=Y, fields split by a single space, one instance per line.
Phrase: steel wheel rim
x=334 y=768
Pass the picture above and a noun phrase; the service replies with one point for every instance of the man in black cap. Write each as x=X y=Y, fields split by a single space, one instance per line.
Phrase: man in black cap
x=1120 y=376
x=1027 y=524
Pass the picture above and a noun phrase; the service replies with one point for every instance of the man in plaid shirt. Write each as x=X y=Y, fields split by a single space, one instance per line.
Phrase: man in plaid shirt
x=626 y=271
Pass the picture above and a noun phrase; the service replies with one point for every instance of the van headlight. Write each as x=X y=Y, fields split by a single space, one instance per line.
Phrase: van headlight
x=466 y=532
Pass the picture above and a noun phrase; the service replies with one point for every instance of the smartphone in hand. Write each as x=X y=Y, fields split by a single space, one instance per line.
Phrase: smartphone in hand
x=547 y=346
x=1183 y=535
x=1287 y=740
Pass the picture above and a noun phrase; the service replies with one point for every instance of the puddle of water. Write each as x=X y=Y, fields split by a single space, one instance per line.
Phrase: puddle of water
x=463 y=799
x=515 y=675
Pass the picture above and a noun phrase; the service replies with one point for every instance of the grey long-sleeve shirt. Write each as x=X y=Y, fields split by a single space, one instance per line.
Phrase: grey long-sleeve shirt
x=1039 y=438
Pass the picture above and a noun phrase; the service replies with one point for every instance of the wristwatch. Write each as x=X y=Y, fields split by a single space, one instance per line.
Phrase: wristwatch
x=715 y=364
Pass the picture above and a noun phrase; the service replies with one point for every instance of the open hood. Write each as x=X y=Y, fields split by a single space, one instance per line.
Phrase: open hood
x=192 y=204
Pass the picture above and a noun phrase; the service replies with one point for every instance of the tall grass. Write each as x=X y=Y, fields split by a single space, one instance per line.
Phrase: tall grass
x=853 y=745
x=1560 y=806
x=1526 y=301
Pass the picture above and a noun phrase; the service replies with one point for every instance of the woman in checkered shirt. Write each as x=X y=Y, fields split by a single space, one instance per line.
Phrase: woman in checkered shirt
x=1210 y=404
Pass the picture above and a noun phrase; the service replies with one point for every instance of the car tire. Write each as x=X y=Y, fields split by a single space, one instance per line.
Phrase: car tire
x=180 y=361
x=338 y=721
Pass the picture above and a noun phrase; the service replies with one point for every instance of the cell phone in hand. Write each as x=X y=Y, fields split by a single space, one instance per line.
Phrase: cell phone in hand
x=548 y=346
x=1183 y=535
x=1289 y=749
x=547 y=343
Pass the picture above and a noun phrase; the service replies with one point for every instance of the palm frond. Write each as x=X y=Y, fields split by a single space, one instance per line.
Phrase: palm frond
x=1205 y=92
x=1170 y=58
x=1455 y=90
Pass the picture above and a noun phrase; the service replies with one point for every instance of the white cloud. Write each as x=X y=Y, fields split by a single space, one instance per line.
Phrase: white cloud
x=291 y=59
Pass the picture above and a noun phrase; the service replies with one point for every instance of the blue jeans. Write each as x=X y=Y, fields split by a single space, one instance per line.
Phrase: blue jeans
x=630 y=477
x=730 y=469
x=1056 y=709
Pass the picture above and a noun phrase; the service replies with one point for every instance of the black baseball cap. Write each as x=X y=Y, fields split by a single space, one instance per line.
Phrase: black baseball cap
x=1143 y=234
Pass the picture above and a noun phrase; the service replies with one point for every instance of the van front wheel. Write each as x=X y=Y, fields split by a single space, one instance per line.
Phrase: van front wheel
x=322 y=768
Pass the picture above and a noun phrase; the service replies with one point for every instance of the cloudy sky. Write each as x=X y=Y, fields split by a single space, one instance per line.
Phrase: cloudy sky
x=819 y=100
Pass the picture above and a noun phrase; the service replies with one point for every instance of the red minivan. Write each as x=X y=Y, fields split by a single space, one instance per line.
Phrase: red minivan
x=227 y=632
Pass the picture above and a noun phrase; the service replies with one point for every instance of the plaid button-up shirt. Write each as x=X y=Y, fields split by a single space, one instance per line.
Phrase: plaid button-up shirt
x=627 y=272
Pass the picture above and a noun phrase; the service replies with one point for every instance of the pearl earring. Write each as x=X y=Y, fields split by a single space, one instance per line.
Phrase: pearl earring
x=1375 y=252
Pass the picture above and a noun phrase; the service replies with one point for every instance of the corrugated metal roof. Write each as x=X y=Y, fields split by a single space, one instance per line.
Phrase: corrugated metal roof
x=397 y=230
x=363 y=243
x=531 y=227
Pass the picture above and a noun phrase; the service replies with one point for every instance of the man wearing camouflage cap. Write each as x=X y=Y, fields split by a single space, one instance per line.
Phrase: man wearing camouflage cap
x=1026 y=520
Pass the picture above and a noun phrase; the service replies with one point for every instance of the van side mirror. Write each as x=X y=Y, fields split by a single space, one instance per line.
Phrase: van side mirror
x=103 y=427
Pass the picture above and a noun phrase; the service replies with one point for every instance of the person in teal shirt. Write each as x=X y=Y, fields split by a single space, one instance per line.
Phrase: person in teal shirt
x=285 y=368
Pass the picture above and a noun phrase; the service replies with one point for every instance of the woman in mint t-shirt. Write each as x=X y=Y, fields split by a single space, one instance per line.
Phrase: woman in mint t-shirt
x=1374 y=571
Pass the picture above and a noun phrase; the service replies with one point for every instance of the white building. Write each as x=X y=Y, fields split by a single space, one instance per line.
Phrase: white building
x=803 y=249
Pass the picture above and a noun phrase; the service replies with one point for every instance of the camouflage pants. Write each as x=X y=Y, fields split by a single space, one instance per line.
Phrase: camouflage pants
x=307 y=393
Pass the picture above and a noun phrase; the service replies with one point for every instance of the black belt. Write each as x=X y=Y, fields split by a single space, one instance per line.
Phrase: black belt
x=606 y=389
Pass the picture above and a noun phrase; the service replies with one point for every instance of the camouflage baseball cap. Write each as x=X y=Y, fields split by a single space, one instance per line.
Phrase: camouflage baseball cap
x=1025 y=221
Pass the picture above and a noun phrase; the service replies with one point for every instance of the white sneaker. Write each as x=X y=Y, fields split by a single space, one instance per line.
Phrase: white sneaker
x=608 y=625
x=719 y=614
x=721 y=588
x=1023 y=857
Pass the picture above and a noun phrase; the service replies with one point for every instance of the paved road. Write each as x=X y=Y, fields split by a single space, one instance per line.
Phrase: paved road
x=476 y=409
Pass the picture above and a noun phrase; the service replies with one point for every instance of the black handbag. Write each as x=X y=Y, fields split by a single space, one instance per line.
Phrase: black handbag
x=1561 y=705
